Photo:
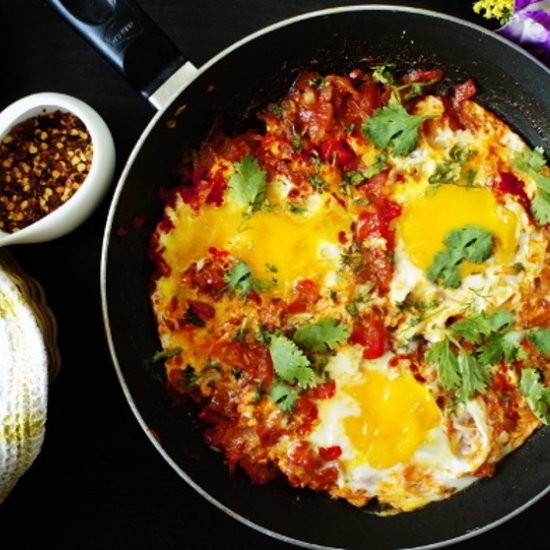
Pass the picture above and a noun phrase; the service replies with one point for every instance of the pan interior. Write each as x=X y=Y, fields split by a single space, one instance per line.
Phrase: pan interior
x=227 y=95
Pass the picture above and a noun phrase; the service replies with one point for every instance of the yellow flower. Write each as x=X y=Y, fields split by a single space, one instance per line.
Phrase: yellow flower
x=495 y=9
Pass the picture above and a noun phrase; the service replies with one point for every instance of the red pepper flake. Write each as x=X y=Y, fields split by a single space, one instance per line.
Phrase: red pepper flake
x=43 y=162
x=139 y=220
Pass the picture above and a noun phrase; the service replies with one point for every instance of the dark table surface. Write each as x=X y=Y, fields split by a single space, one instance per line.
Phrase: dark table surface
x=98 y=482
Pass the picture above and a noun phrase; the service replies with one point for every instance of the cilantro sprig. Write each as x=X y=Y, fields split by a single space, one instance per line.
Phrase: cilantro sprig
x=491 y=340
x=290 y=363
x=461 y=372
x=470 y=243
x=392 y=126
x=247 y=185
x=536 y=393
x=294 y=370
x=531 y=162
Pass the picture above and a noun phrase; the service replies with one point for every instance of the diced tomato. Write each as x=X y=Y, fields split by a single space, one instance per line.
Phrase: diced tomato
x=210 y=279
x=421 y=75
x=338 y=152
x=371 y=334
x=509 y=183
x=217 y=185
x=323 y=391
x=356 y=107
x=306 y=412
x=375 y=222
x=202 y=310
x=308 y=294
x=330 y=453
x=464 y=91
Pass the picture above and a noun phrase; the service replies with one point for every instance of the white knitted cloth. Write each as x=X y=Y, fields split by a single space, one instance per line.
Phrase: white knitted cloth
x=23 y=383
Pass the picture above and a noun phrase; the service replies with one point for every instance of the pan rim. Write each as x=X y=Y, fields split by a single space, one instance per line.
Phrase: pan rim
x=107 y=237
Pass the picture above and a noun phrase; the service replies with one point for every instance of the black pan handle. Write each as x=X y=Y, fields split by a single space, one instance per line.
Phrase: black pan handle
x=127 y=37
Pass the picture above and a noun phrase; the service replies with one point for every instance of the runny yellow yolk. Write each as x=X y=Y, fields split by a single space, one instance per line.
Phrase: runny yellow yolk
x=426 y=221
x=395 y=418
x=276 y=244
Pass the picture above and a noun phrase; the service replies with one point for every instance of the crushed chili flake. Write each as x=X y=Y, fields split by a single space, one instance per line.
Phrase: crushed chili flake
x=43 y=162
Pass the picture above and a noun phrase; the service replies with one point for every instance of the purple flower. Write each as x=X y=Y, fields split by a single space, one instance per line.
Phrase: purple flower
x=529 y=26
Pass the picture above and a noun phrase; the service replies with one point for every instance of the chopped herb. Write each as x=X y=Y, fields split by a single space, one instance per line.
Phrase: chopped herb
x=354 y=178
x=190 y=377
x=297 y=209
x=317 y=182
x=352 y=309
x=296 y=140
x=384 y=73
x=322 y=336
x=380 y=164
x=241 y=331
x=240 y=281
x=450 y=170
x=318 y=82
x=163 y=355
x=247 y=185
x=536 y=393
x=470 y=243
x=394 y=126
x=277 y=109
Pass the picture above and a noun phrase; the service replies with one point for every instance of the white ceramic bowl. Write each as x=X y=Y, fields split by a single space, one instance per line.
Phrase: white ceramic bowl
x=80 y=205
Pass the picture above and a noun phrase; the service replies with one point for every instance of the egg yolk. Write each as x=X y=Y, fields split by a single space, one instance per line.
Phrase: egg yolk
x=276 y=243
x=426 y=221
x=395 y=418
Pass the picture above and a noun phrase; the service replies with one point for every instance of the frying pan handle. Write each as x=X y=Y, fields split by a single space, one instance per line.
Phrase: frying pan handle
x=127 y=37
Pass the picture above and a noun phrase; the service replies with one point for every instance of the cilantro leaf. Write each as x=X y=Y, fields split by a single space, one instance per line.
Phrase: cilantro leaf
x=474 y=328
x=470 y=243
x=290 y=363
x=393 y=125
x=531 y=162
x=240 y=281
x=247 y=185
x=474 y=376
x=536 y=393
x=540 y=207
x=444 y=359
x=540 y=338
x=322 y=336
x=284 y=396
x=500 y=346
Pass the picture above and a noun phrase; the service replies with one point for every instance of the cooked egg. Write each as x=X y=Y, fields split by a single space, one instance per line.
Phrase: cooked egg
x=394 y=439
x=277 y=244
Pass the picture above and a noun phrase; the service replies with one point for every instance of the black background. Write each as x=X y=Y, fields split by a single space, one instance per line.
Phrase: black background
x=98 y=482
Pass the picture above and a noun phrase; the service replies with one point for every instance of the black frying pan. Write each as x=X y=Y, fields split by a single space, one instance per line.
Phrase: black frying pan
x=229 y=90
